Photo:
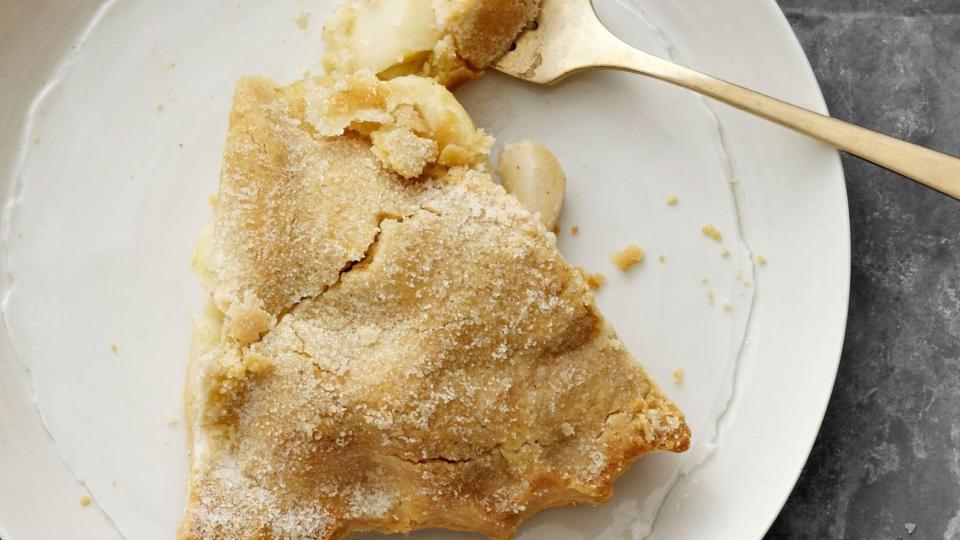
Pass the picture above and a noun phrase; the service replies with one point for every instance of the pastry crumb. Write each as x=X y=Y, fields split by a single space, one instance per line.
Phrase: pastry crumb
x=113 y=348
x=85 y=500
x=712 y=233
x=761 y=260
x=704 y=281
x=672 y=200
x=677 y=376
x=741 y=280
x=114 y=483
x=629 y=257
x=303 y=20
x=724 y=252
x=594 y=281
x=727 y=306
x=172 y=421
x=662 y=259
x=567 y=429
x=711 y=297
x=403 y=151
x=574 y=230
x=161 y=108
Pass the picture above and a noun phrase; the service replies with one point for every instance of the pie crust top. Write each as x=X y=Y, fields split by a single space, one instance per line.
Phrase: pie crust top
x=392 y=342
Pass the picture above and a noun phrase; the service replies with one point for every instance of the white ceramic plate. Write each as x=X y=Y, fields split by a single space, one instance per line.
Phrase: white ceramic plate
x=112 y=121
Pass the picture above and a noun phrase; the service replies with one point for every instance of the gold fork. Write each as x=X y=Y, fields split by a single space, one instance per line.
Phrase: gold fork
x=569 y=38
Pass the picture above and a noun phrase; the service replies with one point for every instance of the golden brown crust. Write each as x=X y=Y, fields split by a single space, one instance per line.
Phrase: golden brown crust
x=451 y=41
x=484 y=30
x=449 y=369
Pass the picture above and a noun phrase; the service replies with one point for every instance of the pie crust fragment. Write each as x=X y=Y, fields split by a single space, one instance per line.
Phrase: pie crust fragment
x=451 y=41
x=392 y=342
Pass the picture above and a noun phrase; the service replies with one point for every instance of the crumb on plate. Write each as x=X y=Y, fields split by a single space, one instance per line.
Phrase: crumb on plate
x=761 y=260
x=724 y=252
x=574 y=230
x=303 y=20
x=677 y=376
x=712 y=233
x=742 y=280
x=628 y=257
x=113 y=348
x=672 y=200
x=85 y=500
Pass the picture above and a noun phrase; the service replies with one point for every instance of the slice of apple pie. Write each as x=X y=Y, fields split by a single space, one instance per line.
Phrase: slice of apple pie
x=392 y=342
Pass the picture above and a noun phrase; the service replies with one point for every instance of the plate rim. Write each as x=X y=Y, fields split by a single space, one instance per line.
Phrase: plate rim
x=804 y=61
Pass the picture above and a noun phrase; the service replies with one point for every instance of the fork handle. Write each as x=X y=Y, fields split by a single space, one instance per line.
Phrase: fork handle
x=931 y=168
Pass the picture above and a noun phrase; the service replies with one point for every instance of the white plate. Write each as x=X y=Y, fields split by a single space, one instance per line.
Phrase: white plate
x=112 y=121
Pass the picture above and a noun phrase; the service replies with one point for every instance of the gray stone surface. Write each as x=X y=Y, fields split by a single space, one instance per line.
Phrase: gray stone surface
x=887 y=460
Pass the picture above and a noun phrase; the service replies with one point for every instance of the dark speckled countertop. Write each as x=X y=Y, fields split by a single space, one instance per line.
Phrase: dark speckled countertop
x=887 y=460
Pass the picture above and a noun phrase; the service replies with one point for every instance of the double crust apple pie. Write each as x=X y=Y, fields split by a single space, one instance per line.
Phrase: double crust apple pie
x=392 y=342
